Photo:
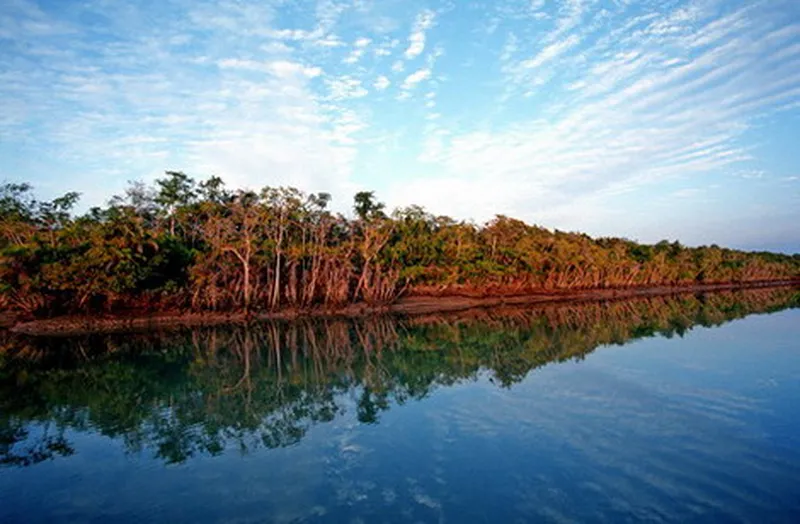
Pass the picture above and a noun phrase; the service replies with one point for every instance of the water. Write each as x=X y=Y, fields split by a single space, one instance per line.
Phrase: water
x=679 y=409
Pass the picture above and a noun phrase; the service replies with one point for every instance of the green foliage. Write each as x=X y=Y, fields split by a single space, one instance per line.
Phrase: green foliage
x=184 y=244
x=365 y=206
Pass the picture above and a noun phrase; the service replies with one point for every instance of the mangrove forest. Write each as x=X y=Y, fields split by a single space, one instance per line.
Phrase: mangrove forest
x=187 y=245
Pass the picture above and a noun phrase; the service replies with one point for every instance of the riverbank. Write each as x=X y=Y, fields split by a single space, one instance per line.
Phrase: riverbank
x=412 y=305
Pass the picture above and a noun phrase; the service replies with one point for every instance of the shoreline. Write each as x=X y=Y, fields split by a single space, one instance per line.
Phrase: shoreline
x=71 y=325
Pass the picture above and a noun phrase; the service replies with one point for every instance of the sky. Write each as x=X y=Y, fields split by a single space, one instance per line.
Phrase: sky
x=648 y=119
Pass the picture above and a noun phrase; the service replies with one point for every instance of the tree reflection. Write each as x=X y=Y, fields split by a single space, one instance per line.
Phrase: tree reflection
x=204 y=391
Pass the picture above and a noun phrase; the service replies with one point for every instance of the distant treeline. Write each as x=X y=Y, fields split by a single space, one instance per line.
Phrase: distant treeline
x=183 y=244
x=201 y=391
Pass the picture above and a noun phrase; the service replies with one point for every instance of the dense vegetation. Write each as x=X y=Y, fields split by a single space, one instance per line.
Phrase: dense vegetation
x=180 y=244
x=202 y=391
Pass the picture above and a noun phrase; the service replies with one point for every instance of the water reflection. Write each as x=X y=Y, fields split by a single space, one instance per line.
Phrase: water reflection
x=181 y=394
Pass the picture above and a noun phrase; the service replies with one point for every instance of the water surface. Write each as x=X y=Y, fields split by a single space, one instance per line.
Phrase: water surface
x=663 y=409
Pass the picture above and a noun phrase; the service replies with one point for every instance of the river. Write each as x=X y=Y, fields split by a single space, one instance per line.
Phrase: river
x=668 y=409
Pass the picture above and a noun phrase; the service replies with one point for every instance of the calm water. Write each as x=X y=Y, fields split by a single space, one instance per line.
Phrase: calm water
x=662 y=410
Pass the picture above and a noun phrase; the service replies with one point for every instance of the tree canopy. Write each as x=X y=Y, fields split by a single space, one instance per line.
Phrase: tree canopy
x=184 y=244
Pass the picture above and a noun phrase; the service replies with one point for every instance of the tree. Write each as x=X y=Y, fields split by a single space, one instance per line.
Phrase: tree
x=175 y=190
x=366 y=207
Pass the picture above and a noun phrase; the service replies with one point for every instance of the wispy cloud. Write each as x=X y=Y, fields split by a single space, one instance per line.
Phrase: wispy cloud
x=359 y=48
x=550 y=52
x=416 y=42
x=574 y=114
x=648 y=112
x=416 y=77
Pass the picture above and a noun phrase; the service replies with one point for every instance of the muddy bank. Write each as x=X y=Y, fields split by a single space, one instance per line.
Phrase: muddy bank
x=413 y=305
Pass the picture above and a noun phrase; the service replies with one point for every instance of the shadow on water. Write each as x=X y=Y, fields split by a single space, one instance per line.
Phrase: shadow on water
x=201 y=391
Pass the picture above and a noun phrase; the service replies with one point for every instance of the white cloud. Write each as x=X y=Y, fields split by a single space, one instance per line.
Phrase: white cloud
x=359 y=48
x=143 y=103
x=237 y=63
x=640 y=98
x=283 y=68
x=354 y=56
x=345 y=87
x=329 y=41
x=536 y=5
x=423 y=23
x=382 y=83
x=550 y=52
x=294 y=34
x=279 y=68
x=416 y=77
x=621 y=124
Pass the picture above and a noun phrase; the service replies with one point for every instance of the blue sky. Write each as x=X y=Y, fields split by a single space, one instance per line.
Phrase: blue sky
x=648 y=119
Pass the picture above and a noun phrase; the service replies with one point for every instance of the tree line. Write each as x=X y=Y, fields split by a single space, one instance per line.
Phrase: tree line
x=195 y=245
